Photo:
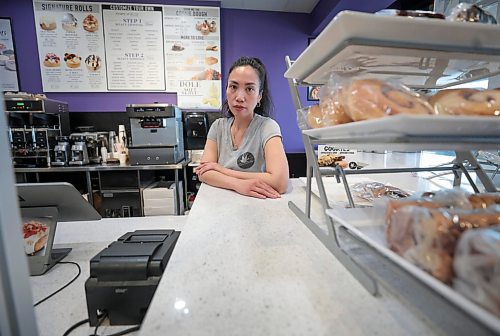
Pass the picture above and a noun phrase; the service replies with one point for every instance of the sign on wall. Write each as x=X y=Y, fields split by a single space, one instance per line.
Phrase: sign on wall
x=134 y=47
x=192 y=55
x=103 y=47
x=70 y=46
x=9 y=79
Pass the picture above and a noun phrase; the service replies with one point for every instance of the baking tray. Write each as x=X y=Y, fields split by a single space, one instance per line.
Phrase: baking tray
x=366 y=224
x=442 y=54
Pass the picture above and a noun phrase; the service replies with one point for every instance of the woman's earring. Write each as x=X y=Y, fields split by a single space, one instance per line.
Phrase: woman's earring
x=258 y=104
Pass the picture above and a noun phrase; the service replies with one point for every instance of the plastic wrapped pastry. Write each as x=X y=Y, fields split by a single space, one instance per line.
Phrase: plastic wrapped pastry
x=373 y=190
x=470 y=102
x=451 y=199
x=477 y=267
x=466 y=12
x=428 y=237
x=372 y=98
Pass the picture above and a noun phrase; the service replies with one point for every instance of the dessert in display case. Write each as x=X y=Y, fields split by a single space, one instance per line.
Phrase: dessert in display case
x=369 y=67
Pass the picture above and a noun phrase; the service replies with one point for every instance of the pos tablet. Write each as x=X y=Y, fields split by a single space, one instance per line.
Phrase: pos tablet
x=42 y=206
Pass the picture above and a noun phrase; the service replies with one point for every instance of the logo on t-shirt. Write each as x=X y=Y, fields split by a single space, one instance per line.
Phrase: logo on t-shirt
x=246 y=160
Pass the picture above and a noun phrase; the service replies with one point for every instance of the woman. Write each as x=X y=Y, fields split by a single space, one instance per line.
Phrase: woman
x=244 y=151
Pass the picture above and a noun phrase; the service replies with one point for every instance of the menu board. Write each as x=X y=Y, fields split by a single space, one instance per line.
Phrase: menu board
x=71 y=46
x=192 y=54
x=8 y=66
x=134 y=47
x=103 y=47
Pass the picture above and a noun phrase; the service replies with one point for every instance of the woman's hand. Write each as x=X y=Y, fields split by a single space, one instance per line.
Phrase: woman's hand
x=206 y=166
x=256 y=188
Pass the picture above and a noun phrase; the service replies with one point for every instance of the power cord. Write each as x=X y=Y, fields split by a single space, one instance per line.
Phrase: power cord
x=101 y=318
x=126 y=331
x=74 y=326
x=66 y=285
x=99 y=321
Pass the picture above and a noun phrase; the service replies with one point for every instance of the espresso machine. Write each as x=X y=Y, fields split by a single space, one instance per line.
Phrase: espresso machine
x=79 y=150
x=157 y=136
x=87 y=144
x=62 y=151
x=34 y=124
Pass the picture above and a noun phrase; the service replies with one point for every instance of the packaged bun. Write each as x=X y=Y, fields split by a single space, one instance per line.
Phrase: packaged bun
x=428 y=237
x=450 y=199
x=314 y=117
x=468 y=102
x=477 y=267
x=484 y=200
x=467 y=12
x=372 y=98
x=372 y=190
x=332 y=108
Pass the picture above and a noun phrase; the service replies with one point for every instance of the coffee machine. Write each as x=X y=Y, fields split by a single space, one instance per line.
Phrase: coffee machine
x=156 y=134
x=62 y=151
x=34 y=124
x=90 y=143
x=79 y=150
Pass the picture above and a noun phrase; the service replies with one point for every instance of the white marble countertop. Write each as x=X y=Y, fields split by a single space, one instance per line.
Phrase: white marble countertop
x=244 y=266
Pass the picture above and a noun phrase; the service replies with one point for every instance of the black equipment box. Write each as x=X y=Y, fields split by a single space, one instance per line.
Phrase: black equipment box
x=124 y=276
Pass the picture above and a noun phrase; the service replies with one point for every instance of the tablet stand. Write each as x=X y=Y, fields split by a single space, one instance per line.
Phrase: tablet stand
x=39 y=264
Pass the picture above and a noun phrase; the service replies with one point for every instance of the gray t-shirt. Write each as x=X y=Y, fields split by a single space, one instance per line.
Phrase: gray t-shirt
x=249 y=157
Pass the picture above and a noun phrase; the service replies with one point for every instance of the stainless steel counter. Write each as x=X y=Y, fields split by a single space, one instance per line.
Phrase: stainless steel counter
x=100 y=167
x=87 y=169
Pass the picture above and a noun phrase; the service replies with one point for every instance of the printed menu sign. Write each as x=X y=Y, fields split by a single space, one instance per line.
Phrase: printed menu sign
x=134 y=47
x=103 y=47
x=70 y=46
x=8 y=69
x=192 y=55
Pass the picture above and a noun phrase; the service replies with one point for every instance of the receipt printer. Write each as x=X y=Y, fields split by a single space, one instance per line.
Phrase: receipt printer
x=124 y=276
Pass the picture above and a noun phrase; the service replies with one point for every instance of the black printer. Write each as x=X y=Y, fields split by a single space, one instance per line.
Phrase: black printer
x=124 y=276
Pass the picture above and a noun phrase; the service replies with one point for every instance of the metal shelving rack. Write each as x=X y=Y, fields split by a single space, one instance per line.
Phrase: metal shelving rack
x=352 y=36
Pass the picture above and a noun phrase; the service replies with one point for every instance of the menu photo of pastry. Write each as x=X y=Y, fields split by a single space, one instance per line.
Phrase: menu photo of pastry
x=72 y=60
x=7 y=57
x=35 y=235
x=210 y=60
x=177 y=46
x=69 y=22
x=90 y=23
x=208 y=74
x=212 y=47
x=48 y=22
x=10 y=64
x=206 y=27
x=51 y=60
x=93 y=62
x=3 y=59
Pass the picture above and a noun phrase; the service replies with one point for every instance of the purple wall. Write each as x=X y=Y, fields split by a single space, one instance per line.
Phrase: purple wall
x=267 y=35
